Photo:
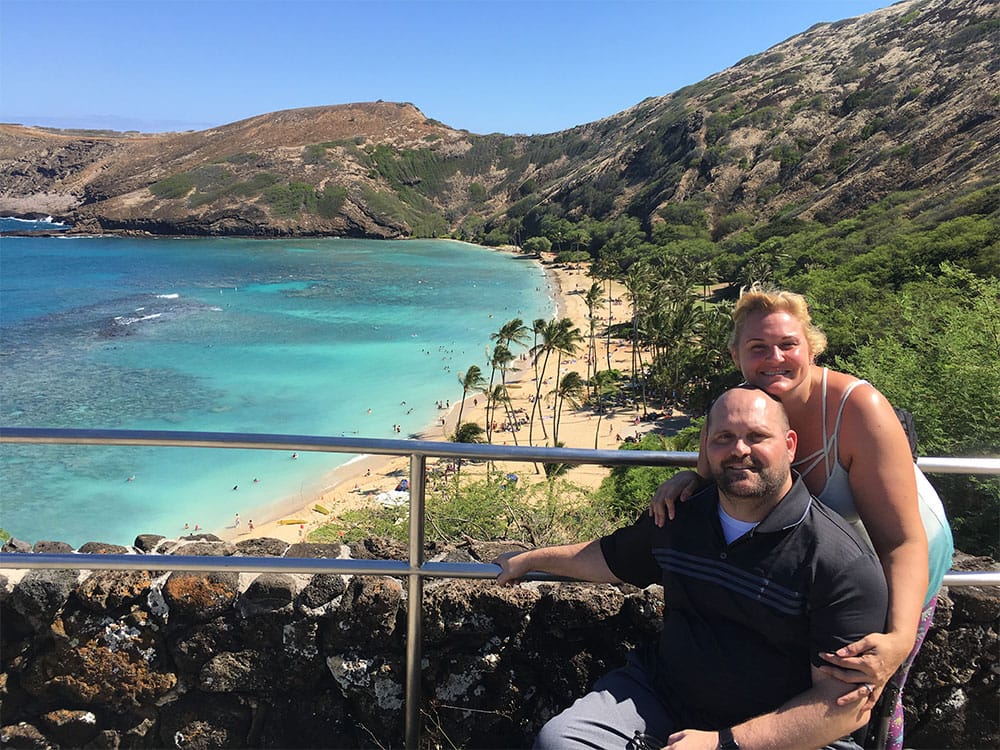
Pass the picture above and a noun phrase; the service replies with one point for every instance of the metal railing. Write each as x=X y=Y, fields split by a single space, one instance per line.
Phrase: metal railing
x=415 y=569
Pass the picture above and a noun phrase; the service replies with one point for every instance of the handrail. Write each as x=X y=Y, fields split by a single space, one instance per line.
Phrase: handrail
x=415 y=569
x=312 y=566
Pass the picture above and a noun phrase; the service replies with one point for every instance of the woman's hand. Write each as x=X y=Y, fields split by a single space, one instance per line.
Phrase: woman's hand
x=678 y=488
x=693 y=739
x=866 y=666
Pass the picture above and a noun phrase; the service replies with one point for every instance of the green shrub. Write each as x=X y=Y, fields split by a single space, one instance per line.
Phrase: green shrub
x=315 y=154
x=330 y=201
x=247 y=158
x=477 y=193
x=489 y=508
x=175 y=186
x=255 y=185
x=291 y=198
x=210 y=177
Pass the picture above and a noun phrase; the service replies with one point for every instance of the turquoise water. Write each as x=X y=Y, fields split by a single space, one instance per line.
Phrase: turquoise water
x=268 y=336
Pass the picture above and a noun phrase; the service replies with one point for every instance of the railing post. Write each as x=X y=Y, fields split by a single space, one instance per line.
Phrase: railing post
x=415 y=598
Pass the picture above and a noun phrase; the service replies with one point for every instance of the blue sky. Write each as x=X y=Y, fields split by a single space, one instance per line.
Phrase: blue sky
x=510 y=67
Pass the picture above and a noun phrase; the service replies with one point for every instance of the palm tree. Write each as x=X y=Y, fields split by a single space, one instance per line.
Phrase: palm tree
x=537 y=328
x=605 y=385
x=559 y=336
x=472 y=380
x=512 y=332
x=566 y=341
x=639 y=292
x=570 y=388
x=704 y=272
x=593 y=301
x=499 y=360
x=469 y=432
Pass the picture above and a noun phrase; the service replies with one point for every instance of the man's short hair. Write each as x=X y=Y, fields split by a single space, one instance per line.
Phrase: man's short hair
x=749 y=387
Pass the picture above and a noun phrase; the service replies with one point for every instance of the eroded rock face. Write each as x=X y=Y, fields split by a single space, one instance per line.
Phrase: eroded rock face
x=140 y=659
x=200 y=596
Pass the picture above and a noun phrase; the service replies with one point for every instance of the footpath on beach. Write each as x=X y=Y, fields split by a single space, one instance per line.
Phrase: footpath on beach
x=357 y=483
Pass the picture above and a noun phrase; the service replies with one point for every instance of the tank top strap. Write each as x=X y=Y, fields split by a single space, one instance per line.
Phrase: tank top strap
x=834 y=452
x=818 y=455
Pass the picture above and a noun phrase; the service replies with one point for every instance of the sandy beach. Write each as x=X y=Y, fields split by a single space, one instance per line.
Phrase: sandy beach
x=357 y=483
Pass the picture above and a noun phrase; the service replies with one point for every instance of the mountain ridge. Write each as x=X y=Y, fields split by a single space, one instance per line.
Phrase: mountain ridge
x=820 y=125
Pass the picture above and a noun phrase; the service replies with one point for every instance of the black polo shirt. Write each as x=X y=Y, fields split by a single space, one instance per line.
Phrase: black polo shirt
x=743 y=622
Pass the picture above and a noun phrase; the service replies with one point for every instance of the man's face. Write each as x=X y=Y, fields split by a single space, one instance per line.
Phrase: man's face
x=748 y=447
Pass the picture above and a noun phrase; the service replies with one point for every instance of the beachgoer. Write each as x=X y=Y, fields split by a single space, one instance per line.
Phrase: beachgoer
x=734 y=663
x=294 y=456
x=854 y=456
x=250 y=524
x=236 y=523
x=236 y=487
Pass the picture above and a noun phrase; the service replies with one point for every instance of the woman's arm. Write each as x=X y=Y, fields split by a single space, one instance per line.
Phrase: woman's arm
x=807 y=720
x=877 y=456
x=679 y=487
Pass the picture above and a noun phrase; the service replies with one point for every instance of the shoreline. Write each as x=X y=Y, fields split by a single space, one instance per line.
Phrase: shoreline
x=357 y=482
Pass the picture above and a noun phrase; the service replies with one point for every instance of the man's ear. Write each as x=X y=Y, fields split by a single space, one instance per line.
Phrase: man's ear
x=791 y=442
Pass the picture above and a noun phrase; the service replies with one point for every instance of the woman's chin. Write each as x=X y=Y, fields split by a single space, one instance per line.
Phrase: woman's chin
x=773 y=385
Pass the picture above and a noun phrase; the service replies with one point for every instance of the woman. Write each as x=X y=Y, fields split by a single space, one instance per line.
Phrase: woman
x=854 y=455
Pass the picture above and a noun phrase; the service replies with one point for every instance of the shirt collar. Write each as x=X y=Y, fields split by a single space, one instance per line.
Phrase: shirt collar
x=790 y=511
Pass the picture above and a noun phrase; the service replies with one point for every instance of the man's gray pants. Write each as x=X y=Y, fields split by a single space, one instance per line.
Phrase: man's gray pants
x=621 y=703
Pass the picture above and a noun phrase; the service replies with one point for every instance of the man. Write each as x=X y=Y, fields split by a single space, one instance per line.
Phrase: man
x=758 y=579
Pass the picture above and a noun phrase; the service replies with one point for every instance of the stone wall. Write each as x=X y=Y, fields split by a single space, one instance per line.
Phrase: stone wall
x=153 y=659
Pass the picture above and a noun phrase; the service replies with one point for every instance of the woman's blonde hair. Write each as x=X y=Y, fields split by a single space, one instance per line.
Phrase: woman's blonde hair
x=764 y=300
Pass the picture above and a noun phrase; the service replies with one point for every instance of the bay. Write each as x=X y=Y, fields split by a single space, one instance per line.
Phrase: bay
x=310 y=337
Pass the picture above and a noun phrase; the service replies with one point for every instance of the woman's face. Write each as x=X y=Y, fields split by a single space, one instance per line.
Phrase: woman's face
x=772 y=351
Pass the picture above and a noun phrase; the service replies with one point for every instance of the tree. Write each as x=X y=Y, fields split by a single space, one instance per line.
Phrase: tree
x=561 y=337
x=593 y=301
x=499 y=361
x=571 y=388
x=537 y=245
x=943 y=365
x=468 y=432
x=512 y=332
x=472 y=380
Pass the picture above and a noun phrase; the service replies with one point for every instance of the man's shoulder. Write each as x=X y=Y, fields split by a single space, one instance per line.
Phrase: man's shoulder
x=831 y=530
x=840 y=555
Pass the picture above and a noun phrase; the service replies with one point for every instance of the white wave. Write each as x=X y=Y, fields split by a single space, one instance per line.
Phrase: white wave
x=124 y=320
x=168 y=296
x=46 y=220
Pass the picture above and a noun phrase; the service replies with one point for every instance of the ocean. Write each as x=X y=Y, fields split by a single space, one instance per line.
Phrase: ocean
x=310 y=337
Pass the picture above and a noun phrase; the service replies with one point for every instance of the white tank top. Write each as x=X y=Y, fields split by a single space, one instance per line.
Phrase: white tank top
x=837 y=495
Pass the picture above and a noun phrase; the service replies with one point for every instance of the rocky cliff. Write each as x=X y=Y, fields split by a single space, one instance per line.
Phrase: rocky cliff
x=819 y=126
x=155 y=659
